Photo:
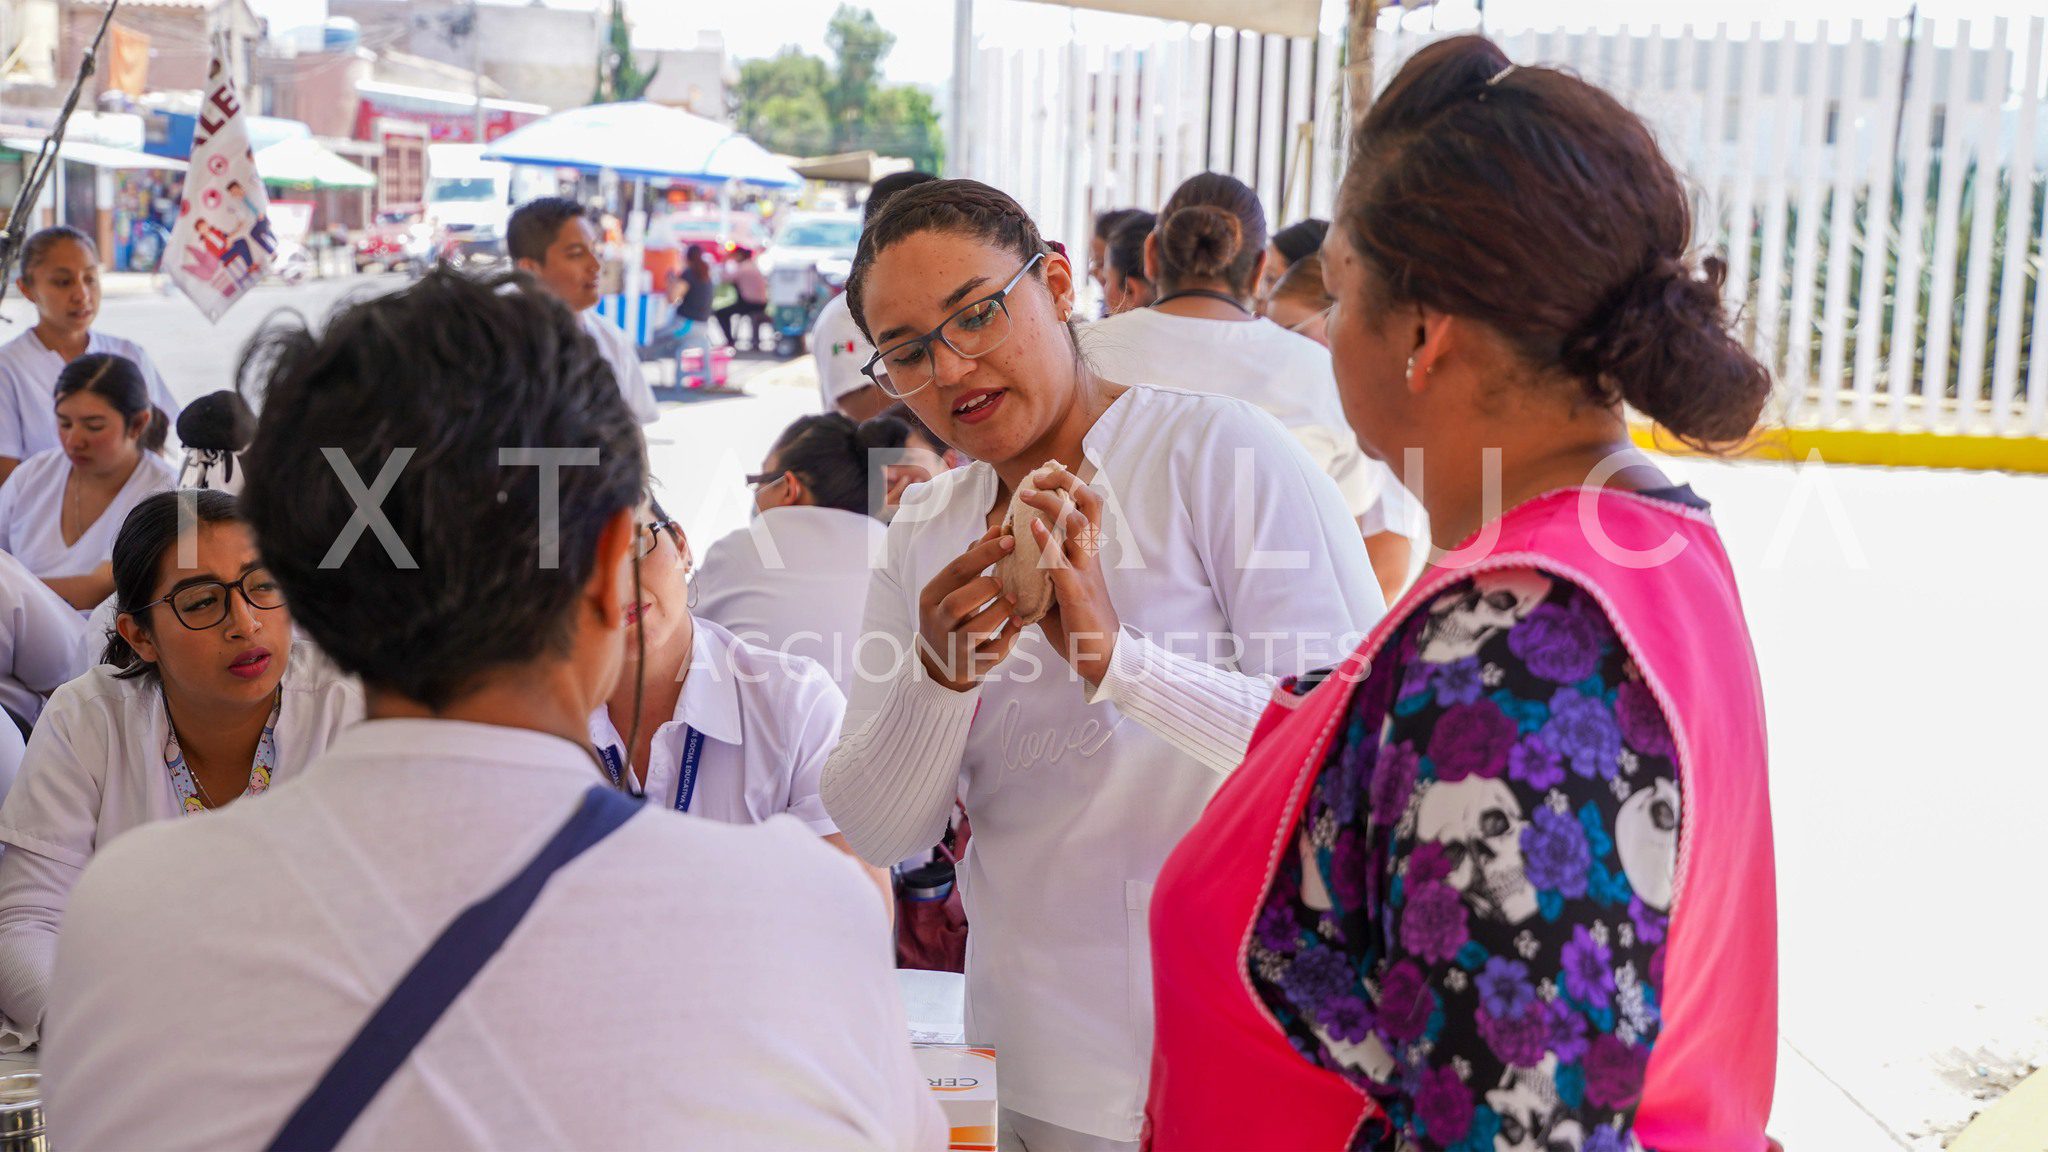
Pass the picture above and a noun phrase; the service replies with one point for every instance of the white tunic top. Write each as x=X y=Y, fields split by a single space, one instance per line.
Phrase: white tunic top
x=840 y=351
x=795 y=580
x=1223 y=545
x=683 y=984
x=619 y=352
x=1283 y=372
x=768 y=721
x=95 y=770
x=28 y=389
x=39 y=633
x=31 y=513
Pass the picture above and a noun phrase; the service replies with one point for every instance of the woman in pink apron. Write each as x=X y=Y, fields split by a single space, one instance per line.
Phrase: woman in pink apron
x=1504 y=879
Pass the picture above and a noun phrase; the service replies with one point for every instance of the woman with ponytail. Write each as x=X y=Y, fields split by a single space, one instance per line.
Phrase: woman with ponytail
x=1200 y=333
x=1145 y=541
x=60 y=510
x=201 y=698
x=1505 y=877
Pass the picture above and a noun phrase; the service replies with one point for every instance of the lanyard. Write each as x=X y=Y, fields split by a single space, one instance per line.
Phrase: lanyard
x=1227 y=298
x=686 y=783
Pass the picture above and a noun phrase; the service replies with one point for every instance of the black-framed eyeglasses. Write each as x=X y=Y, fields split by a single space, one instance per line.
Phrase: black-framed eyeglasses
x=973 y=332
x=647 y=537
x=204 y=604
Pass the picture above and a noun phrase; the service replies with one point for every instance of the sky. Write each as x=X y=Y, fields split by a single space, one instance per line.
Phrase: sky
x=924 y=28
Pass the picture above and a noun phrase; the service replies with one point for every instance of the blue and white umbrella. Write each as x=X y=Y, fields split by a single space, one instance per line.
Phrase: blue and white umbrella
x=638 y=139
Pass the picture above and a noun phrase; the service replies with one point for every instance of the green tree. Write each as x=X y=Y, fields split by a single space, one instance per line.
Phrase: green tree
x=618 y=74
x=796 y=103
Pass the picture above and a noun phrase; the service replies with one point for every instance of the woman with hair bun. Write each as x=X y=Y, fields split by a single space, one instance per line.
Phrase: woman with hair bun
x=1479 y=929
x=1200 y=333
x=1049 y=695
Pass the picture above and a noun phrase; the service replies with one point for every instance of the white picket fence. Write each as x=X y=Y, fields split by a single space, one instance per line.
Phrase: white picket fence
x=1787 y=139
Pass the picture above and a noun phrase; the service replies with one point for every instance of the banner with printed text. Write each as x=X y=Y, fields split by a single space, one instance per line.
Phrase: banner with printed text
x=223 y=241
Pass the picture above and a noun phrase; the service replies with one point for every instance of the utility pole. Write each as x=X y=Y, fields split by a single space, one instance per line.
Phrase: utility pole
x=476 y=68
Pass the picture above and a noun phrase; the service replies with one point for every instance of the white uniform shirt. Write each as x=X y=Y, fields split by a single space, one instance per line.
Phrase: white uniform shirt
x=795 y=580
x=1219 y=533
x=39 y=633
x=682 y=984
x=619 y=352
x=95 y=770
x=28 y=389
x=840 y=350
x=31 y=513
x=768 y=722
x=1286 y=373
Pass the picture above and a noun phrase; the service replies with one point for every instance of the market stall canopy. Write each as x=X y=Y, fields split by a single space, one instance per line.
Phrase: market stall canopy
x=97 y=155
x=303 y=162
x=850 y=167
x=640 y=139
x=1284 y=17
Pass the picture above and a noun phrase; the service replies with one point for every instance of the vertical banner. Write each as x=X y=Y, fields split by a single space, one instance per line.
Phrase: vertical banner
x=223 y=240
x=129 y=70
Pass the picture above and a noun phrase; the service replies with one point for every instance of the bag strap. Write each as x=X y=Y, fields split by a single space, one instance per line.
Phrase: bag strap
x=422 y=995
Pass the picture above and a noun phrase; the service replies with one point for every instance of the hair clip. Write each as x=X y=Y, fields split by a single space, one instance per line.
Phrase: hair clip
x=1500 y=75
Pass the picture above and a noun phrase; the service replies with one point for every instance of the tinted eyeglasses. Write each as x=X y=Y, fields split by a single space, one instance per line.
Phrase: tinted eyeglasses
x=204 y=604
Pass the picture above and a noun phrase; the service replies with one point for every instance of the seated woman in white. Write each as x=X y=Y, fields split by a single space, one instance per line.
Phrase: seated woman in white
x=796 y=579
x=39 y=634
x=201 y=699
x=707 y=723
x=60 y=275
x=60 y=511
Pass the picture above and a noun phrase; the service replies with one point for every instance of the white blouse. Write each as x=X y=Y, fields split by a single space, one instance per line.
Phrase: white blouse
x=39 y=633
x=95 y=769
x=1285 y=373
x=32 y=510
x=28 y=389
x=768 y=722
x=1225 y=551
x=795 y=580
x=619 y=352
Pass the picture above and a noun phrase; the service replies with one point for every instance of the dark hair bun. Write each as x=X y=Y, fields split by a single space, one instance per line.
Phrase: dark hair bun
x=1664 y=347
x=1201 y=240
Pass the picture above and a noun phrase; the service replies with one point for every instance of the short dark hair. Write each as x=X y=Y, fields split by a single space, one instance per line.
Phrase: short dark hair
x=119 y=381
x=962 y=207
x=831 y=453
x=39 y=243
x=1301 y=239
x=535 y=224
x=918 y=428
x=1126 y=243
x=887 y=186
x=455 y=370
x=146 y=535
x=1538 y=204
x=1106 y=223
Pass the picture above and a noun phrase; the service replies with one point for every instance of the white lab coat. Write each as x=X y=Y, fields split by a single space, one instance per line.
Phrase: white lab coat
x=32 y=509
x=28 y=389
x=38 y=634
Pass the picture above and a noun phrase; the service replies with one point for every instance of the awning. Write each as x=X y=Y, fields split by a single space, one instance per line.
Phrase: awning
x=303 y=162
x=97 y=155
x=1284 y=17
x=640 y=139
x=850 y=167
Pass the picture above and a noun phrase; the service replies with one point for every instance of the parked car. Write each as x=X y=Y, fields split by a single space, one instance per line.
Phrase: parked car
x=806 y=265
x=397 y=242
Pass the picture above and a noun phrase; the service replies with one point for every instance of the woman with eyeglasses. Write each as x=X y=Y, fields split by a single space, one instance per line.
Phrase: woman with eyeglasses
x=60 y=511
x=1299 y=302
x=702 y=721
x=1200 y=333
x=1192 y=542
x=796 y=578
x=202 y=698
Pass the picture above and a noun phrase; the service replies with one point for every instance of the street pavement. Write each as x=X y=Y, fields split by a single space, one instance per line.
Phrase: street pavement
x=1902 y=671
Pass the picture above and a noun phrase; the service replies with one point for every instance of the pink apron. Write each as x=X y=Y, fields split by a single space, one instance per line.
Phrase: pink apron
x=1223 y=1073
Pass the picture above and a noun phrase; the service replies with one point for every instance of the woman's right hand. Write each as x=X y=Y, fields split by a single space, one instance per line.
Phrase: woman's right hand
x=964 y=626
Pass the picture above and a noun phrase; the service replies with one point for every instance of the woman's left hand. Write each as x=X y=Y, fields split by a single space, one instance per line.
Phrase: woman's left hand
x=1082 y=624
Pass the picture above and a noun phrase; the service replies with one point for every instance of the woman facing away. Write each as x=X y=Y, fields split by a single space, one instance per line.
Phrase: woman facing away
x=1505 y=878
x=1047 y=707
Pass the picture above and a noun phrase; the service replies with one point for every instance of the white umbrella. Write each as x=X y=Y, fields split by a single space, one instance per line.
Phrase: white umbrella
x=639 y=139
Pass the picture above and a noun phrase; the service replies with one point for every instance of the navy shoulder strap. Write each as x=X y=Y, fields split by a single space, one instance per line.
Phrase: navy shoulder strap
x=423 y=995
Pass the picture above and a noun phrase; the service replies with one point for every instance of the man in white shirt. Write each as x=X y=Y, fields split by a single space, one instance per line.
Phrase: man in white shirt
x=553 y=239
x=836 y=341
x=667 y=982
